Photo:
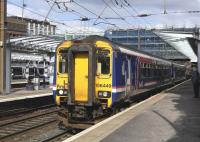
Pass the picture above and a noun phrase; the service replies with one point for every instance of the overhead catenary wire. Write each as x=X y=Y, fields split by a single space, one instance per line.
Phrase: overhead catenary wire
x=51 y=20
x=100 y=14
x=83 y=18
x=38 y=14
x=106 y=21
x=66 y=9
x=122 y=18
x=123 y=6
x=131 y=6
x=137 y=18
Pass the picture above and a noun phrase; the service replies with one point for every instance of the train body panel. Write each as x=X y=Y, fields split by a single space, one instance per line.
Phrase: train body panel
x=54 y=81
x=123 y=76
x=61 y=73
x=103 y=79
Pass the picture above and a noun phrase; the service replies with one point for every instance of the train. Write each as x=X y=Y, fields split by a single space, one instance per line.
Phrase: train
x=20 y=73
x=94 y=75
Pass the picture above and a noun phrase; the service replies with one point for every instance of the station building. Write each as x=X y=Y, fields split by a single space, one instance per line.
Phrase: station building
x=31 y=43
x=16 y=27
x=146 y=40
x=81 y=35
x=31 y=27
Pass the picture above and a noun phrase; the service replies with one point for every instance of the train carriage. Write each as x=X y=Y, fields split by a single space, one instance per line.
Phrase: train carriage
x=94 y=75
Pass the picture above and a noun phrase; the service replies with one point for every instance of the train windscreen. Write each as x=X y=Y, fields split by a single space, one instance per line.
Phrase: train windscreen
x=31 y=71
x=63 y=61
x=17 y=70
x=103 y=61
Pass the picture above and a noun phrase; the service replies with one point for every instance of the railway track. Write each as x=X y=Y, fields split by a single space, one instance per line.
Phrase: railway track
x=62 y=135
x=29 y=125
x=20 y=111
x=14 y=128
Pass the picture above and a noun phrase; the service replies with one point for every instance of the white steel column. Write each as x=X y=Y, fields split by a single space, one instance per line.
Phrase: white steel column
x=198 y=56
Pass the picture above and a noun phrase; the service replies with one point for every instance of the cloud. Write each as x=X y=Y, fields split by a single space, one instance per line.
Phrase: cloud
x=97 y=7
x=78 y=27
x=13 y=10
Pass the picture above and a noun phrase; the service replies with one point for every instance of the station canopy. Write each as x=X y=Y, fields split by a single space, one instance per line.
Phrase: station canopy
x=179 y=40
x=33 y=47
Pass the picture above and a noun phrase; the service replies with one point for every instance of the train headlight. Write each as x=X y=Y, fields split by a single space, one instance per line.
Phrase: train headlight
x=62 y=92
x=104 y=94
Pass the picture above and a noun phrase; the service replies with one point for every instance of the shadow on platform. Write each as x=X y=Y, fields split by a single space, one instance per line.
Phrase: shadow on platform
x=187 y=126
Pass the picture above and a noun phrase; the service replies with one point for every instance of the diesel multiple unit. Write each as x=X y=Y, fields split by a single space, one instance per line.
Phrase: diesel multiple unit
x=92 y=76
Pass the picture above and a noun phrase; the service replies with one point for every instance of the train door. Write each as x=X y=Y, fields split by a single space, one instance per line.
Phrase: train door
x=133 y=73
x=81 y=77
x=128 y=76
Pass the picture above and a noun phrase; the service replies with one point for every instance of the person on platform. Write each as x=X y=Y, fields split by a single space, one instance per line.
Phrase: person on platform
x=195 y=81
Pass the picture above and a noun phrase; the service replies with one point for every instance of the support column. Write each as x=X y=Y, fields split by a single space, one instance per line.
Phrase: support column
x=8 y=68
x=198 y=56
x=3 y=51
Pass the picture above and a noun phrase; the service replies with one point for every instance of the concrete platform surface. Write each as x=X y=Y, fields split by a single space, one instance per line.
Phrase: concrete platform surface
x=22 y=93
x=176 y=118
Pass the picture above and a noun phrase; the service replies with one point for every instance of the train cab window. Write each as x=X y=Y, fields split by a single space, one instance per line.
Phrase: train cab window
x=63 y=61
x=31 y=71
x=103 y=65
x=63 y=65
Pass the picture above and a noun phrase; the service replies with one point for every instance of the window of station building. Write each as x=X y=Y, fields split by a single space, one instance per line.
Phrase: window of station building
x=132 y=33
x=63 y=61
x=103 y=65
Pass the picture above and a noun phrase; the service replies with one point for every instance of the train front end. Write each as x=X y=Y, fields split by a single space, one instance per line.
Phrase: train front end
x=90 y=81
x=83 y=81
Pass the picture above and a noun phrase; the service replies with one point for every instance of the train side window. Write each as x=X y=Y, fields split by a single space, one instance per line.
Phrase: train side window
x=123 y=68
x=63 y=63
x=103 y=65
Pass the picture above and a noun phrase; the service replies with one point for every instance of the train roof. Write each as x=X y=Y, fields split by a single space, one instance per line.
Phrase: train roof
x=124 y=48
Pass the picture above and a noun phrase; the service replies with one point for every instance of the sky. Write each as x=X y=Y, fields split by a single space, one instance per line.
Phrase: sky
x=67 y=14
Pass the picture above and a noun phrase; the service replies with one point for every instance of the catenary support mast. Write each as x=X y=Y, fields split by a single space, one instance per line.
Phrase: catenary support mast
x=4 y=63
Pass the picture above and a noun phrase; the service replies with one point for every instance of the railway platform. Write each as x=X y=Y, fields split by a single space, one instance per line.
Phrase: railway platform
x=21 y=94
x=21 y=100
x=172 y=116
